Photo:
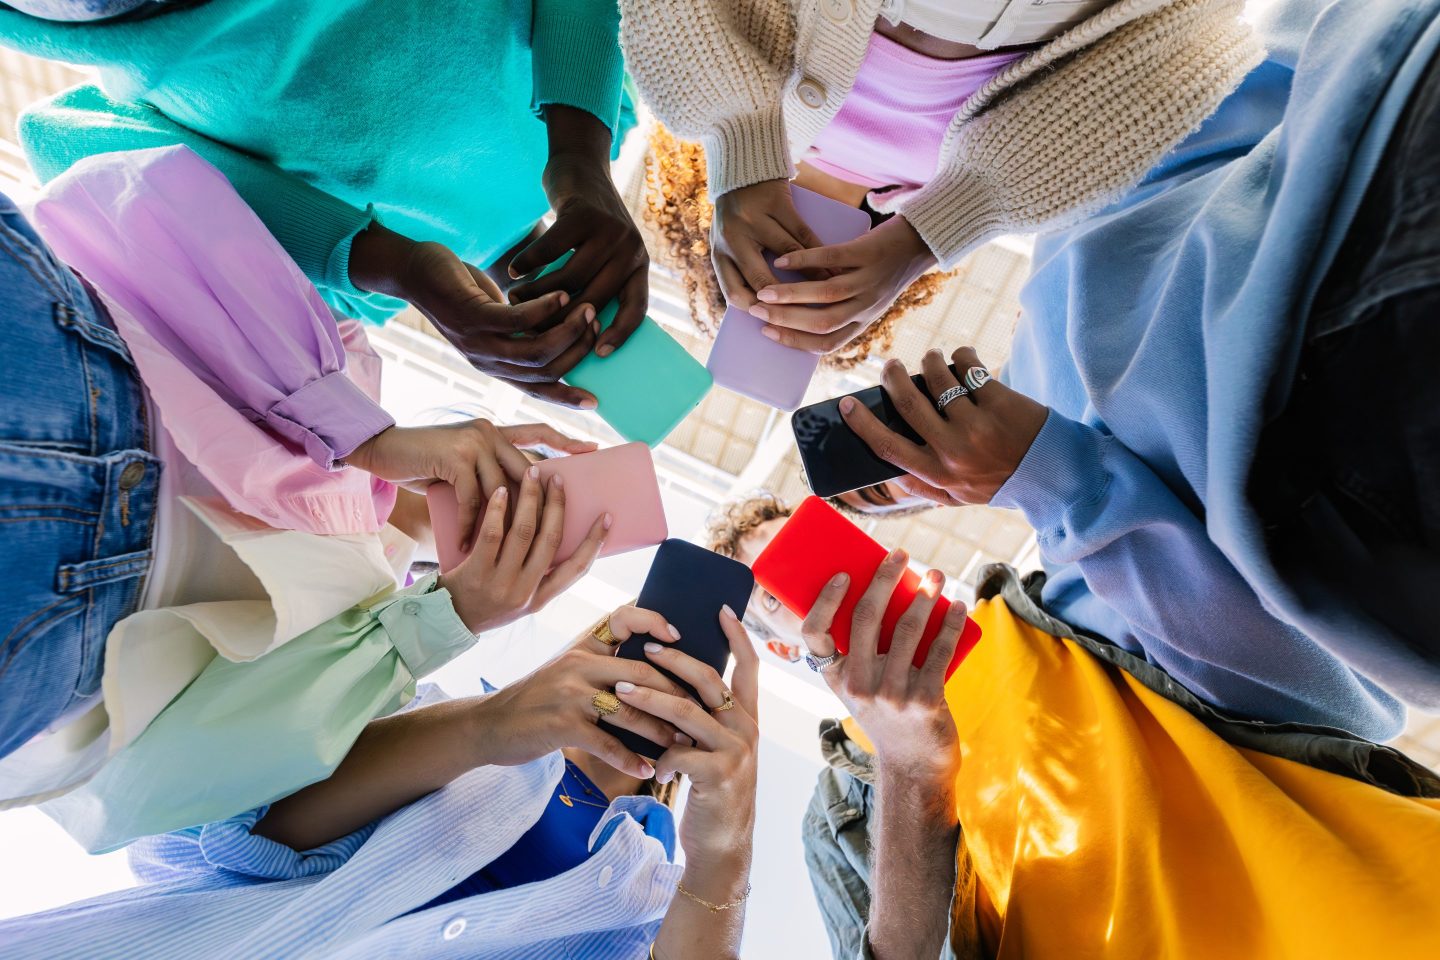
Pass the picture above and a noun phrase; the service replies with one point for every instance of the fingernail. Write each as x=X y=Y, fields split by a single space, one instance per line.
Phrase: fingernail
x=840 y=579
x=896 y=556
x=768 y=295
x=564 y=298
x=760 y=311
x=782 y=261
x=681 y=738
x=605 y=351
x=652 y=648
x=556 y=481
x=647 y=772
x=607 y=521
x=771 y=332
x=511 y=270
x=624 y=686
x=589 y=403
x=589 y=314
x=933 y=576
x=594 y=328
x=725 y=609
x=847 y=404
x=500 y=494
x=665 y=777
x=533 y=473
x=673 y=632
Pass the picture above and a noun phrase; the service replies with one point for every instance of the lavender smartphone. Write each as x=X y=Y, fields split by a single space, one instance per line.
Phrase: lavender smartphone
x=745 y=360
x=617 y=480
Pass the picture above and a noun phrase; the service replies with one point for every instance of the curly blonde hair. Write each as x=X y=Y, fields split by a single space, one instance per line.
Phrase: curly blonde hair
x=736 y=520
x=678 y=215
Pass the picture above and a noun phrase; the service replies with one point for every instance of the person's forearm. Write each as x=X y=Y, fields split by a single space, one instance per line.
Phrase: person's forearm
x=914 y=862
x=576 y=134
x=695 y=932
x=395 y=761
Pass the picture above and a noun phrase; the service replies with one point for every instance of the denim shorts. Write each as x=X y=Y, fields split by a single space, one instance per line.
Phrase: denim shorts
x=77 y=485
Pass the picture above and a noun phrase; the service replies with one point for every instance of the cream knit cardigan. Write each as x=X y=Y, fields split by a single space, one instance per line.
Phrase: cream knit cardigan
x=1055 y=136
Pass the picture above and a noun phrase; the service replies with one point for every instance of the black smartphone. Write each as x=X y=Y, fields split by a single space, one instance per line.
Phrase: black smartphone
x=834 y=457
x=687 y=585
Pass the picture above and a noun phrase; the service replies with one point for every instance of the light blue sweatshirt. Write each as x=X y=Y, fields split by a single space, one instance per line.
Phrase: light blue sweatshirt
x=1163 y=334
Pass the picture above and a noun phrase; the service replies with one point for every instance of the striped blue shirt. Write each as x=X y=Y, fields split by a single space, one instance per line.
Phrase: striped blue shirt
x=218 y=891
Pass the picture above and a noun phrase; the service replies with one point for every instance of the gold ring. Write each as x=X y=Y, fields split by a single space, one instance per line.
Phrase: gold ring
x=729 y=704
x=601 y=632
x=605 y=704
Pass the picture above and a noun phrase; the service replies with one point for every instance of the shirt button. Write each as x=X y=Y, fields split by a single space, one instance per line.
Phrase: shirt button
x=454 y=928
x=606 y=874
x=411 y=607
x=131 y=476
x=837 y=11
x=811 y=94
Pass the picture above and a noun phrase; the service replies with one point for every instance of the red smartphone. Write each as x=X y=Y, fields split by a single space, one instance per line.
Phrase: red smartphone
x=815 y=544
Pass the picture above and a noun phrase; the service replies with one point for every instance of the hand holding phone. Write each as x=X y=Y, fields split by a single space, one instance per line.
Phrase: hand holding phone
x=813 y=546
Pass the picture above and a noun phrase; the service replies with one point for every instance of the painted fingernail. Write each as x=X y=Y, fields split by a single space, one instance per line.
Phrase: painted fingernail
x=500 y=494
x=564 y=298
x=647 y=771
x=760 y=311
x=533 y=473
x=847 y=404
x=782 y=261
x=840 y=579
x=624 y=686
x=589 y=313
x=665 y=777
x=673 y=632
x=725 y=609
x=652 y=648
x=606 y=521
x=771 y=332
x=594 y=328
x=768 y=295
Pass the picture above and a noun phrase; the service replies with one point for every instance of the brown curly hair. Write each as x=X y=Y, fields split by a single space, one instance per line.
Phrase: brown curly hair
x=678 y=214
x=736 y=520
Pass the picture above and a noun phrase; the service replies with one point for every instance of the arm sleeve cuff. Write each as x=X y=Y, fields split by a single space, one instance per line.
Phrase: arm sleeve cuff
x=423 y=626
x=955 y=213
x=748 y=149
x=329 y=417
x=576 y=58
x=1063 y=467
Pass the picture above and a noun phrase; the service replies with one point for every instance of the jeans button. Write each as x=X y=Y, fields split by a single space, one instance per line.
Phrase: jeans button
x=131 y=476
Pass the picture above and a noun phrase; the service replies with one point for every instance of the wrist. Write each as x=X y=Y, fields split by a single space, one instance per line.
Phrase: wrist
x=576 y=136
x=918 y=257
x=378 y=260
x=719 y=877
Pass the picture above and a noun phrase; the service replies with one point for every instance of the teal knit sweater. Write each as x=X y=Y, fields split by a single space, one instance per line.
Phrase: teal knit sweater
x=423 y=113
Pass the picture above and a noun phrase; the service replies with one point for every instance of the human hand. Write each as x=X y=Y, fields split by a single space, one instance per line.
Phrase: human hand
x=544 y=438
x=469 y=310
x=610 y=261
x=900 y=707
x=971 y=447
x=551 y=709
x=509 y=572
x=747 y=223
x=861 y=279
x=719 y=822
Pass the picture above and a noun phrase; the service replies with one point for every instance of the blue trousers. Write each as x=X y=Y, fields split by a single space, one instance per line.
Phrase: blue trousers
x=77 y=485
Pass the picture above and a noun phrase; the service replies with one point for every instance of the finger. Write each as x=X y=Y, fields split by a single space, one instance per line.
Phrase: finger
x=569 y=571
x=837 y=256
x=689 y=717
x=535 y=436
x=512 y=463
x=870 y=609
x=965 y=358
x=816 y=343
x=561 y=394
x=485 y=283
x=627 y=621
x=909 y=629
x=810 y=319
x=534 y=355
x=622 y=673
x=750 y=261
x=938 y=379
x=469 y=501
x=916 y=487
x=795 y=226
x=631 y=303
x=701 y=766
x=815 y=630
x=657 y=731
x=884 y=442
x=545 y=249
x=523 y=527
x=601 y=745
x=931 y=677
x=703 y=677
x=833 y=290
x=745 y=678
x=911 y=403
x=732 y=284
x=492 y=530
x=490 y=472
x=548 y=537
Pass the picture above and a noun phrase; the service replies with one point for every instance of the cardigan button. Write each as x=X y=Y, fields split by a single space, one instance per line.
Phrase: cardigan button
x=837 y=11
x=811 y=94
x=454 y=928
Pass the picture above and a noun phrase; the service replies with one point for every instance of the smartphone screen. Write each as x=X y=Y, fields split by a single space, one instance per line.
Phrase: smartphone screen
x=835 y=459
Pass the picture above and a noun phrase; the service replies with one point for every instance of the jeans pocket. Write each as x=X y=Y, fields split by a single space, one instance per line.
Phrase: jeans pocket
x=42 y=663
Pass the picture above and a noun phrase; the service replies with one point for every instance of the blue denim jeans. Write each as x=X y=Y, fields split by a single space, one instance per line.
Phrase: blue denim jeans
x=77 y=485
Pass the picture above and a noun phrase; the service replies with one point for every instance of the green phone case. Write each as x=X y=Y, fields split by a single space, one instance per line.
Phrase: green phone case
x=647 y=386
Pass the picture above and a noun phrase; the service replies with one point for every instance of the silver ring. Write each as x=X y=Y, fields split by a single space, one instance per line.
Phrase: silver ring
x=950 y=396
x=977 y=377
x=818 y=664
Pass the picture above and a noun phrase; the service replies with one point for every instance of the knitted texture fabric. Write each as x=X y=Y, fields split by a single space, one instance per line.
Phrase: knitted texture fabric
x=1055 y=136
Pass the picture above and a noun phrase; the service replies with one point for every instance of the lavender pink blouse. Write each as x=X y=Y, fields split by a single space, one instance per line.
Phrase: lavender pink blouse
x=243 y=360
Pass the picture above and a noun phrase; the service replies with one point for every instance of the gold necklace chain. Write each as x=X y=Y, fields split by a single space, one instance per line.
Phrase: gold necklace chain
x=569 y=801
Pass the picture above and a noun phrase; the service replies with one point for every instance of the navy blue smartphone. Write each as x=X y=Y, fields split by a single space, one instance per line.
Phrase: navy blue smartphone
x=687 y=585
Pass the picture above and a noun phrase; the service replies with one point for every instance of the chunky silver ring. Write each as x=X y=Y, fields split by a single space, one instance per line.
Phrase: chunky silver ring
x=949 y=397
x=818 y=664
x=977 y=377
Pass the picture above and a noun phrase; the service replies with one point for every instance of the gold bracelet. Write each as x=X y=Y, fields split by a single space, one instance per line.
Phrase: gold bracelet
x=715 y=907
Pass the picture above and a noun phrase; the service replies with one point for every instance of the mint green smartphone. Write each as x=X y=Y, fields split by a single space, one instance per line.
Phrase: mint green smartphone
x=647 y=386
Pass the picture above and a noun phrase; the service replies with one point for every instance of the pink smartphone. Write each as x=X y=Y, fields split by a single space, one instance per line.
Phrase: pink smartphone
x=619 y=480
x=743 y=359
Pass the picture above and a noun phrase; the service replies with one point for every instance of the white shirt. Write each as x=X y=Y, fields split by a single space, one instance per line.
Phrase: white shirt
x=989 y=24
